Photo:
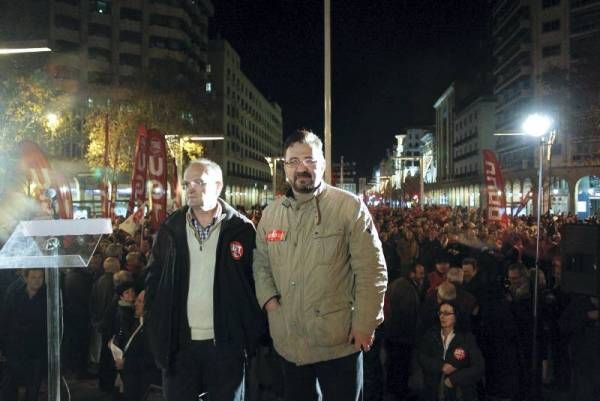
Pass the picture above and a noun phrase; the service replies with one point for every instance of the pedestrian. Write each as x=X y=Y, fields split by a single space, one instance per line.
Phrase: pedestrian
x=23 y=336
x=201 y=316
x=451 y=360
x=320 y=274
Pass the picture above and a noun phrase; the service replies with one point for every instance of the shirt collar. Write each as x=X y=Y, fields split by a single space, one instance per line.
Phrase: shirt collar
x=191 y=218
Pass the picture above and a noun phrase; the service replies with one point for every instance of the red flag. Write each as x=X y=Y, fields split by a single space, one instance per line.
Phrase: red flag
x=64 y=197
x=494 y=186
x=138 y=180
x=157 y=174
x=40 y=173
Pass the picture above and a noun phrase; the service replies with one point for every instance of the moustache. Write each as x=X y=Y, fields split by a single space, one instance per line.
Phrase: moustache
x=306 y=175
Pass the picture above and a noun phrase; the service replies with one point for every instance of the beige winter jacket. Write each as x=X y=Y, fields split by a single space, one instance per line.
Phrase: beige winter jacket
x=323 y=259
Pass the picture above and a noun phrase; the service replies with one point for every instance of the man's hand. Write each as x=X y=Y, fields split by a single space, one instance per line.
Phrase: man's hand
x=272 y=304
x=448 y=369
x=361 y=341
x=448 y=383
x=119 y=363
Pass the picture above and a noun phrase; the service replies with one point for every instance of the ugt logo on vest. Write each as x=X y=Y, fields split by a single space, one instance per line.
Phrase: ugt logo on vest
x=237 y=250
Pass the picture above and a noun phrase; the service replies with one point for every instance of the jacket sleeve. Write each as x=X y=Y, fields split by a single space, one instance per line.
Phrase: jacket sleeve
x=368 y=265
x=263 y=275
x=469 y=376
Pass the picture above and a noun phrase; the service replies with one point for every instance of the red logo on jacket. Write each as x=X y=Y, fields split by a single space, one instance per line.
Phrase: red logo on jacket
x=237 y=250
x=460 y=354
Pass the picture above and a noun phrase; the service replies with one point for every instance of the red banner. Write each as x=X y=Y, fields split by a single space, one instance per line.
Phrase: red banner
x=42 y=177
x=157 y=174
x=63 y=196
x=494 y=186
x=138 y=181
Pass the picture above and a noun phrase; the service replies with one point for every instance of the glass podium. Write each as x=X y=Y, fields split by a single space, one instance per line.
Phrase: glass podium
x=51 y=245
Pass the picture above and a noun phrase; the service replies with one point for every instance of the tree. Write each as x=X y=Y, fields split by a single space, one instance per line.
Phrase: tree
x=174 y=113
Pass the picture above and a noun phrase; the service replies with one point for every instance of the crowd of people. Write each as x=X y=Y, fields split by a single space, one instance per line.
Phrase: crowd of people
x=458 y=304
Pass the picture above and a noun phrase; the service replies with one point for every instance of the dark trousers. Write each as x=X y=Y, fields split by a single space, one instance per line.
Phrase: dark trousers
x=335 y=380
x=27 y=372
x=398 y=367
x=202 y=367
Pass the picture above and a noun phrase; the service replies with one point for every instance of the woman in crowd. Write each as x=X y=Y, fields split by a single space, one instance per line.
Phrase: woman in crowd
x=451 y=361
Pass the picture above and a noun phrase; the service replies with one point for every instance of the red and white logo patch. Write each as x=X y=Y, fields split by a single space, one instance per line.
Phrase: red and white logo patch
x=237 y=250
x=275 y=235
x=460 y=354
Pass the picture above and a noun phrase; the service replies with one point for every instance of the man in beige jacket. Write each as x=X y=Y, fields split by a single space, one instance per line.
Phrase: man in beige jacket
x=320 y=274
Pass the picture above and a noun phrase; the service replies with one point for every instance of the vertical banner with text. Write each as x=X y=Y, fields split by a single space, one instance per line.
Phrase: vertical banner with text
x=140 y=162
x=493 y=187
x=157 y=174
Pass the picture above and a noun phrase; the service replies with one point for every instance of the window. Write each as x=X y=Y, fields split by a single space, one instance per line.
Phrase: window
x=208 y=68
x=208 y=87
x=131 y=14
x=99 y=30
x=62 y=21
x=96 y=77
x=64 y=46
x=130 y=59
x=551 y=26
x=96 y=53
x=551 y=51
x=550 y=3
x=130 y=36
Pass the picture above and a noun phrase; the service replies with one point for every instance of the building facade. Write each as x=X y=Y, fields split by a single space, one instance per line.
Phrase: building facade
x=344 y=175
x=250 y=123
x=534 y=41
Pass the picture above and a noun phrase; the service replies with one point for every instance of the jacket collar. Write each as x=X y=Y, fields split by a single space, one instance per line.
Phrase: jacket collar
x=290 y=201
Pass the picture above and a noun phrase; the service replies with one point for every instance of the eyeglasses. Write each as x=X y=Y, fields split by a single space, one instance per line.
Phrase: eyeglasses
x=295 y=162
x=193 y=183
x=440 y=313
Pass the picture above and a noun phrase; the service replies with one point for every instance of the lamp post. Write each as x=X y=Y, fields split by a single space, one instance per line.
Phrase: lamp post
x=272 y=162
x=537 y=125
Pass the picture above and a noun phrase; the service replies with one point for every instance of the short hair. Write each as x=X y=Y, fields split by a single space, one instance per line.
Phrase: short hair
x=455 y=275
x=446 y=291
x=133 y=257
x=111 y=263
x=33 y=269
x=303 y=135
x=520 y=267
x=121 y=277
x=210 y=166
x=470 y=261
x=113 y=250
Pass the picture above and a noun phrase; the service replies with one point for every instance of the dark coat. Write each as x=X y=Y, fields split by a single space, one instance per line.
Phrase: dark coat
x=102 y=304
x=238 y=320
x=405 y=301
x=139 y=370
x=23 y=331
x=463 y=353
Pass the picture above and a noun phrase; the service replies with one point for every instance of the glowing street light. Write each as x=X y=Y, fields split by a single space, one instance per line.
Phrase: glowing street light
x=537 y=125
x=53 y=121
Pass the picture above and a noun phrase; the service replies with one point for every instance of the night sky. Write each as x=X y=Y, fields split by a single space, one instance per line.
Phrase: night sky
x=391 y=59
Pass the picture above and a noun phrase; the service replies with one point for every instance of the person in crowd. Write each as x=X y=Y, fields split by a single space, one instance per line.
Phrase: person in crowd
x=202 y=318
x=520 y=303
x=77 y=285
x=428 y=313
x=466 y=301
x=581 y=326
x=408 y=250
x=450 y=358
x=392 y=260
x=23 y=336
x=124 y=320
x=430 y=247
x=137 y=367
x=101 y=315
x=320 y=274
x=405 y=297
x=133 y=264
x=438 y=276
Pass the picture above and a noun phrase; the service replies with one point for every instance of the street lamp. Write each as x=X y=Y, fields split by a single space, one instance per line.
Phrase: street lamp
x=53 y=121
x=537 y=125
x=272 y=162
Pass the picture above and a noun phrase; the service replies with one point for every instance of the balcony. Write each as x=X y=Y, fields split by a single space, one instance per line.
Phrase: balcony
x=511 y=76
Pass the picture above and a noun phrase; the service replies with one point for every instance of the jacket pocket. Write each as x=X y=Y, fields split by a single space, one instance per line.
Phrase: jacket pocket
x=329 y=242
x=331 y=324
x=277 y=326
